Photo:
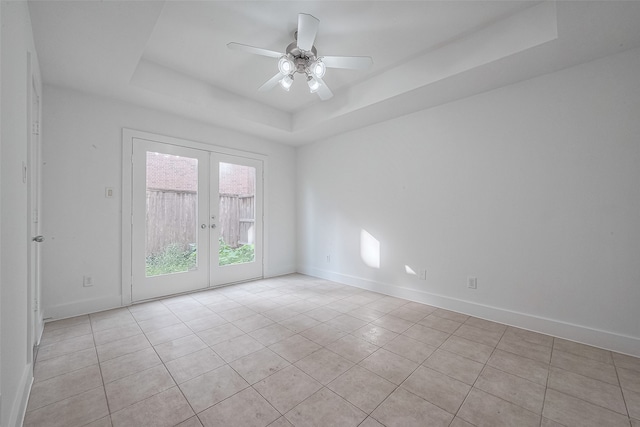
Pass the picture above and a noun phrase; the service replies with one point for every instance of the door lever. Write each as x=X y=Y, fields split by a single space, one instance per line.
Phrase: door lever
x=38 y=239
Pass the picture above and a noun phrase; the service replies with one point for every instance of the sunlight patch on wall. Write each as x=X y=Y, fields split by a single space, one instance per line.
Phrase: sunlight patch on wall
x=369 y=249
x=409 y=270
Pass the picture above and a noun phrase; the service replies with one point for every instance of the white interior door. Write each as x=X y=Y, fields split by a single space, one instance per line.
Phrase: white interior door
x=196 y=219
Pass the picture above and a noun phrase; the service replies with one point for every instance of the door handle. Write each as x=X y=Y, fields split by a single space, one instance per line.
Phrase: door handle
x=203 y=226
x=38 y=239
x=213 y=226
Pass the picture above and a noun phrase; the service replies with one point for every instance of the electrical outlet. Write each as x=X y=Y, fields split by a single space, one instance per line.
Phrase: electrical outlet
x=472 y=282
x=423 y=274
x=87 y=281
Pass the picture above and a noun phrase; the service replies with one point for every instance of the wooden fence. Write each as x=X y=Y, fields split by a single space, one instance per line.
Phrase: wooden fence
x=236 y=219
x=171 y=218
x=172 y=215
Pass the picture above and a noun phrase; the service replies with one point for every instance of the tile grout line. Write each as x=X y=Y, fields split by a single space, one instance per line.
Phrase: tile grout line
x=104 y=388
x=138 y=372
x=476 y=380
x=323 y=386
x=320 y=296
x=165 y=367
x=403 y=381
x=628 y=415
x=624 y=399
x=71 y=371
x=228 y=364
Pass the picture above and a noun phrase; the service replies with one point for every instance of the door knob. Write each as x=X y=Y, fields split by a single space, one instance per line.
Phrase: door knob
x=213 y=226
x=38 y=239
x=203 y=226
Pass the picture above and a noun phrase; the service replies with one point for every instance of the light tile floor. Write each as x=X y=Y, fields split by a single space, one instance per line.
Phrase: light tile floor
x=301 y=351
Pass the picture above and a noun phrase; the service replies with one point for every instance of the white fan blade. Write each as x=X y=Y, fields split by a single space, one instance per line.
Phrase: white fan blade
x=307 y=30
x=271 y=83
x=324 y=92
x=254 y=50
x=350 y=62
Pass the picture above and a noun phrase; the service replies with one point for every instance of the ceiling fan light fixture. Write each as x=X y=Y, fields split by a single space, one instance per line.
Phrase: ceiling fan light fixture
x=301 y=56
x=286 y=65
x=286 y=82
x=314 y=84
x=318 y=68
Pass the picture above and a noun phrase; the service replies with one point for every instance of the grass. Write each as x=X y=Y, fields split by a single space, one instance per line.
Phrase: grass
x=175 y=259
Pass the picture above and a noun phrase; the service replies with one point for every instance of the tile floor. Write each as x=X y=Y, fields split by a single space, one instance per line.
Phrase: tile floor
x=300 y=351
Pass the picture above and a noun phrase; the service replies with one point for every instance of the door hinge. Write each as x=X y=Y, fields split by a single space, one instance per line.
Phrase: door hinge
x=35 y=128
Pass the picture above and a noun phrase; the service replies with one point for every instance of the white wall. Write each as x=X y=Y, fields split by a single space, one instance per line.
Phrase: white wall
x=15 y=371
x=534 y=188
x=82 y=154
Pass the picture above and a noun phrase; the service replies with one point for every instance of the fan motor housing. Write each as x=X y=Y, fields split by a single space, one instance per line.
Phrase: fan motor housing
x=301 y=58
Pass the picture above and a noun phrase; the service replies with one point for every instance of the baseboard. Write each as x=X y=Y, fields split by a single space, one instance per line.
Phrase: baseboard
x=40 y=320
x=598 y=338
x=94 y=305
x=78 y=308
x=19 y=406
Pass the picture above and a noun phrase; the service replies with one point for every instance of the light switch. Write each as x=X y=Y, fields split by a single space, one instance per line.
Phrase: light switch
x=108 y=192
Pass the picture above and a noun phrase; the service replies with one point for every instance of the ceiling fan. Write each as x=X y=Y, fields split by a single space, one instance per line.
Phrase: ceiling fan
x=302 y=57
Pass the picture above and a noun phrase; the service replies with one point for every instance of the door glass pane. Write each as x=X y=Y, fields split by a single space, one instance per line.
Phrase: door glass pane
x=236 y=222
x=172 y=214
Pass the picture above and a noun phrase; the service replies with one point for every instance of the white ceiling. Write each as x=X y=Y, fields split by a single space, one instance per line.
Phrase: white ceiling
x=173 y=56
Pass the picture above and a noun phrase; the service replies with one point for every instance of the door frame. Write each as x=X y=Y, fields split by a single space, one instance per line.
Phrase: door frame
x=128 y=136
x=32 y=175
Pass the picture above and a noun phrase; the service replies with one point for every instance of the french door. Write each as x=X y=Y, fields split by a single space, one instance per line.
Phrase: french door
x=196 y=219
